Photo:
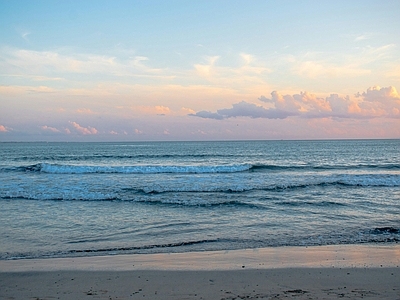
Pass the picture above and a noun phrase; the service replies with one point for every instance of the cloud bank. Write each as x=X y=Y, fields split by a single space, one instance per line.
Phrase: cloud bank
x=375 y=102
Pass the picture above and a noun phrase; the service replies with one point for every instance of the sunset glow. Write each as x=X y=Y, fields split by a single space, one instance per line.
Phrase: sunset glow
x=206 y=70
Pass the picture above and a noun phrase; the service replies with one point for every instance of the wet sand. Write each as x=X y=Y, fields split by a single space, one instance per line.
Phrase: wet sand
x=326 y=272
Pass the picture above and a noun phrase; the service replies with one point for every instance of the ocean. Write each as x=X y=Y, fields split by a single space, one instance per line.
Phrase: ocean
x=86 y=199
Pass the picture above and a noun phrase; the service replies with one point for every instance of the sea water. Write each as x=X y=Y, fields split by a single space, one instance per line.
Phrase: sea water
x=75 y=199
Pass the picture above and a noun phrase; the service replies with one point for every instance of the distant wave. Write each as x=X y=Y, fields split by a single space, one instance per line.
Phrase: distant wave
x=383 y=235
x=154 y=169
x=162 y=194
x=203 y=203
x=98 y=157
x=385 y=230
x=257 y=167
x=96 y=251
x=310 y=203
x=377 y=235
x=145 y=247
x=139 y=169
x=349 y=181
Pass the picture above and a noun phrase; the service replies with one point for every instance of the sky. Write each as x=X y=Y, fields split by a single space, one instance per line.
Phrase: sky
x=199 y=70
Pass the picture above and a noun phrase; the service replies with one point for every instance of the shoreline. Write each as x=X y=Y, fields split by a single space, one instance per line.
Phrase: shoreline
x=342 y=256
x=321 y=272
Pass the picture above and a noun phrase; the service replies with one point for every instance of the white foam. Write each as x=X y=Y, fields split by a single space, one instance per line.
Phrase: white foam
x=141 y=169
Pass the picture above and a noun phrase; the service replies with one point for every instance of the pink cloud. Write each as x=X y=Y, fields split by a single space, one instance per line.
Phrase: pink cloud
x=84 y=130
x=156 y=110
x=3 y=128
x=48 y=128
x=86 y=111
x=375 y=102
x=380 y=101
x=378 y=94
x=186 y=110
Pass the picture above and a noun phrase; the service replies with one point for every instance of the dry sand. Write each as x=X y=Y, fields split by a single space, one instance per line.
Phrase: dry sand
x=327 y=272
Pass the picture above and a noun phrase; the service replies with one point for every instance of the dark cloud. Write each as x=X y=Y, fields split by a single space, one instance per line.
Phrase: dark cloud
x=265 y=99
x=207 y=115
x=244 y=109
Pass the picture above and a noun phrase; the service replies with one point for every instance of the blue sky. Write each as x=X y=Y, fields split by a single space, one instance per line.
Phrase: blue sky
x=199 y=70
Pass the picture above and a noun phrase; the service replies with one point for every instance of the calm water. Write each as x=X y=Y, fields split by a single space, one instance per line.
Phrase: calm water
x=68 y=199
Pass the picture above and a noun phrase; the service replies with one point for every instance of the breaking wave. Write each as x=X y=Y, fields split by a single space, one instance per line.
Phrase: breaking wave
x=156 y=169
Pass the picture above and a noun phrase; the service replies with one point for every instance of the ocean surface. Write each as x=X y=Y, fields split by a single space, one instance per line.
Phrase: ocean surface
x=78 y=199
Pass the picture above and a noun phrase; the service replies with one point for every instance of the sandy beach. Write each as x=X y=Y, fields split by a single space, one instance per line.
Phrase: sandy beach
x=326 y=272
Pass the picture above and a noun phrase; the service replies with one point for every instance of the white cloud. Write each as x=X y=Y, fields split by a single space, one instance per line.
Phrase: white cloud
x=23 y=32
x=248 y=58
x=206 y=70
x=394 y=71
x=337 y=65
x=44 y=65
x=152 y=110
x=363 y=37
x=85 y=111
x=41 y=89
x=314 y=69
x=25 y=35
x=248 y=75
